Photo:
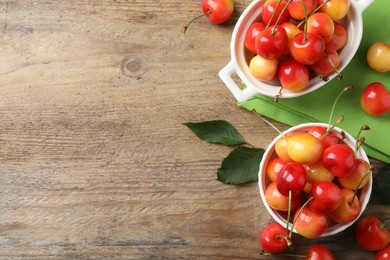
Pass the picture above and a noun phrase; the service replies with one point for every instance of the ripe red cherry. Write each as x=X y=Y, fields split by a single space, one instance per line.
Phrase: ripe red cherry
x=375 y=99
x=218 y=11
x=319 y=252
x=273 y=167
x=272 y=238
x=296 y=11
x=329 y=139
x=292 y=177
x=371 y=235
x=348 y=210
x=251 y=34
x=354 y=179
x=269 y=7
x=310 y=224
x=293 y=75
x=339 y=38
x=306 y=48
x=383 y=254
x=339 y=159
x=271 y=43
x=327 y=196
x=323 y=67
x=321 y=24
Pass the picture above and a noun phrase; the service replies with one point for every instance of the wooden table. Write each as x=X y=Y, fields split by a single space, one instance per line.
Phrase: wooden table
x=95 y=160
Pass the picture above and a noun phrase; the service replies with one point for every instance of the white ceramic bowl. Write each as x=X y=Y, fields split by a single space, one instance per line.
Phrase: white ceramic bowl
x=263 y=182
x=240 y=57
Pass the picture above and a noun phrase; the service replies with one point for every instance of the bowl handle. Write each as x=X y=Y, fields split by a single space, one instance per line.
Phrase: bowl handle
x=240 y=94
x=363 y=4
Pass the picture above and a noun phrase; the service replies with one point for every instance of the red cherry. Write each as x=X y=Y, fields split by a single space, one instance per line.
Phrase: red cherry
x=371 y=235
x=279 y=202
x=329 y=139
x=251 y=34
x=307 y=48
x=383 y=254
x=310 y=224
x=269 y=10
x=339 y=159
x=348 y=210
x=319 y=252
x=218 y=11
x=339 y=38
x=272 y=238
x=296 y=10
x=292 y=177
x=271 y=43
x=327 y=196
x=321 y=24
x=273 y=167
x=353 y=180
x=323 y=67
x=293 y=75
x=375 y=99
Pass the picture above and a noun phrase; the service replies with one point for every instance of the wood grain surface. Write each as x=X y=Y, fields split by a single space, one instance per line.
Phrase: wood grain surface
x=95 y=161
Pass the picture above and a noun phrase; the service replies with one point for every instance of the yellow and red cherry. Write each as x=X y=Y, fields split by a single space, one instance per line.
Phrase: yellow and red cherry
x=375 y=99
x=359 y=177
x=271 y=43
x=378 y=56
x=273 y=238
x=328 y=63
x=278 y=201
x=293 y=75
x=339 y=159
x=263 y=69
x=281 y=148
x=291 y=30
x=251 y=34
x=317 y=172
x=319 y=252
x=327 y=139
x=217 y=11
x=383 y=254
x=310 y=224
x=349 y=208
x=296 y=9
x=339 y=38
x=304 y=148
x=327 y=197
x=336 y=9
x=273 y=167
x=291 y=177
x=321 y=24
x=371 y=234
x=272 y=10
x=307 y=48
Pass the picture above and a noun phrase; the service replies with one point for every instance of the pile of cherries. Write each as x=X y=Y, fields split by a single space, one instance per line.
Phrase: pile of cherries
x=314 y=180
x=295 y=40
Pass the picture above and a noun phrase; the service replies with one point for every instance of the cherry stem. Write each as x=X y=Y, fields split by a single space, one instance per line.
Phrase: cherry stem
x=280 y=16
x=289 y=211
x=276 y=99
x=360 y=141
x=330 y=127
x=315 y=10
x=335 y=102
x=385 y=223
x=296 y=217
x=273 y=14
x=358 y=187
x=305 y=29
x=195 y=19
x=339 y=76
x=268 y=122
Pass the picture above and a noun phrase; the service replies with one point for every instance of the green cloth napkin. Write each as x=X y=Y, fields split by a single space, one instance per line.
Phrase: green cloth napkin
x=316 y=106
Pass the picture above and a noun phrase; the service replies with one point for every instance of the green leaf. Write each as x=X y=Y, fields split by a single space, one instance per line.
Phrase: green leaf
x=381 y=189
x=216 y=131
x=240 y=166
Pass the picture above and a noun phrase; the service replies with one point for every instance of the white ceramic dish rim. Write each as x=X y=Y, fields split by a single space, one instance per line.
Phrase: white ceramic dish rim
x=349 y=140
x=238 y=65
